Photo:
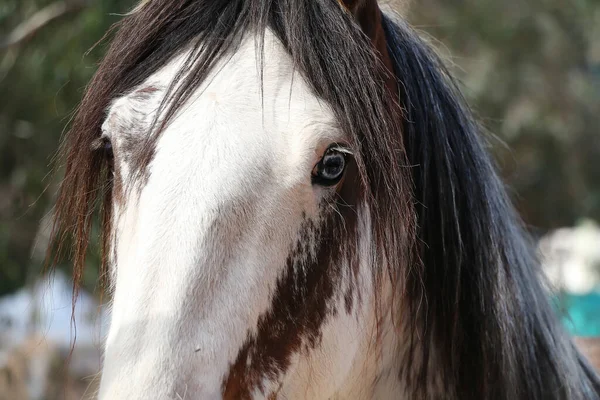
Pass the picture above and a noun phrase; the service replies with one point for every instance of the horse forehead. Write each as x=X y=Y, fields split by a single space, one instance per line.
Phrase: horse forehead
x=261 y=91
x=255 y=105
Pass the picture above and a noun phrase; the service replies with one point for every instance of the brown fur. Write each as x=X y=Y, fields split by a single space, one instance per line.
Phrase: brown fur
x=303 y=298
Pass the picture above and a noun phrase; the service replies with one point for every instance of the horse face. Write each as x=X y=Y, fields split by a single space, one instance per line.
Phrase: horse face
x=220 y=260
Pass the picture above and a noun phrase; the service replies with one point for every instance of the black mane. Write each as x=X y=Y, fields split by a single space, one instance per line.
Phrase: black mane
x=493 y=331
x=476 y=316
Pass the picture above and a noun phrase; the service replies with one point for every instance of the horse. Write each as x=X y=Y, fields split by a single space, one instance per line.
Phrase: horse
x=295 y=201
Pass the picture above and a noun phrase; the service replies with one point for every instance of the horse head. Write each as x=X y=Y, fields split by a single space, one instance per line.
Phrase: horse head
x=296 y=203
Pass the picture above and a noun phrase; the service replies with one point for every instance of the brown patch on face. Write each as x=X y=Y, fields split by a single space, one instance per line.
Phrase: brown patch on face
x=275 y=394
x=304 y=296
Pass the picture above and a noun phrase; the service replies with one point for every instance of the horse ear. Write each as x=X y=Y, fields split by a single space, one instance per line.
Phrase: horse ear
x=369 y=17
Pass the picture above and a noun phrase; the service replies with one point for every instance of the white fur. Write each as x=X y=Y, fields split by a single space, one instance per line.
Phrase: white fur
x=200 y=247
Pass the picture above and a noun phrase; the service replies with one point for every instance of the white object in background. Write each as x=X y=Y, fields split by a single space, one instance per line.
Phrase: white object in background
x=571 y=258
x=45 y=311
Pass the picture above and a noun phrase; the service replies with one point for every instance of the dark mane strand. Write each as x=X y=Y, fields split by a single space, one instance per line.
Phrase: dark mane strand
x=480 y=322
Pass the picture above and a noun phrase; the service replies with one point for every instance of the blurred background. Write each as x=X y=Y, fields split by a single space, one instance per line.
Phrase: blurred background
x=530 y=69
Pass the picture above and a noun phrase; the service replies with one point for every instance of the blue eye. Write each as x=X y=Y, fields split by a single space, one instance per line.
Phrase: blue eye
x=330 y=169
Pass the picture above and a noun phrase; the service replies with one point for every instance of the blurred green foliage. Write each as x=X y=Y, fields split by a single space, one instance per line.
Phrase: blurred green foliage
x=530 y=69
x=41 y=82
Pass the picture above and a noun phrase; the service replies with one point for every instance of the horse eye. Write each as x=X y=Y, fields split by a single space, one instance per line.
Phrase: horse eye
x=330 y=169
x=107 y=150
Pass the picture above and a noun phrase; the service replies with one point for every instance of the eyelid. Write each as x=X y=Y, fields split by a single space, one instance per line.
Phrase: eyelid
x=341 y=148
x=98 y=143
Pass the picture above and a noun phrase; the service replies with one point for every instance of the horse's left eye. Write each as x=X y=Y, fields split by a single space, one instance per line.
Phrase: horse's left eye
x=107 y=150
x=330 y=169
